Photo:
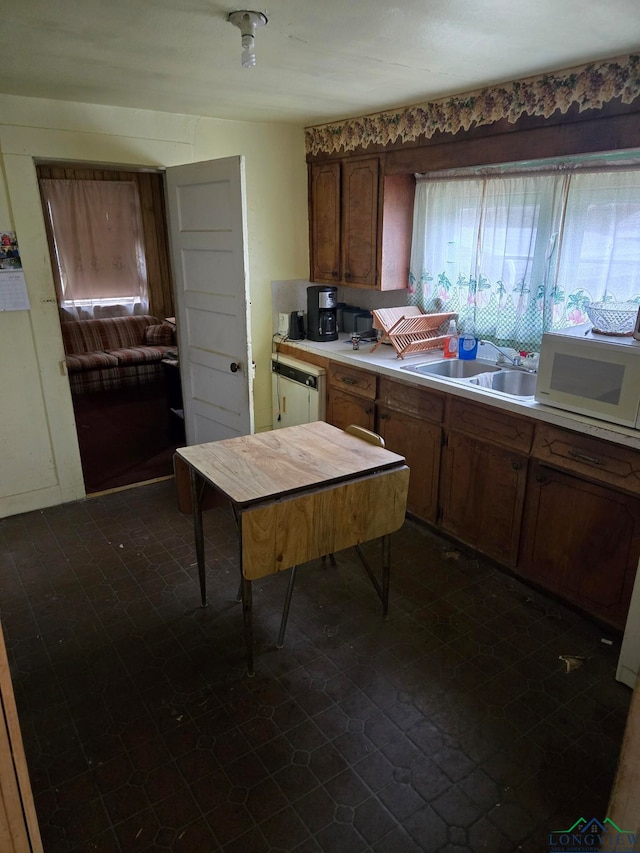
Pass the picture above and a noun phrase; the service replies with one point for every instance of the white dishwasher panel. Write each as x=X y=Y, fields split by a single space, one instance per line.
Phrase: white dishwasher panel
x=298 y=392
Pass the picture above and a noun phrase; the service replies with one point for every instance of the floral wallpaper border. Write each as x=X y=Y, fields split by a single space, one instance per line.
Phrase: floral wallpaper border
x=589 y=86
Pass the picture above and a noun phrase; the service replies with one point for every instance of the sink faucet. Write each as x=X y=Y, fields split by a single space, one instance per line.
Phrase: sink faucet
x=516 y=360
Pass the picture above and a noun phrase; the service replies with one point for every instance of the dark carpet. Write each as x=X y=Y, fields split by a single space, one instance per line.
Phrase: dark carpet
x=125 y=437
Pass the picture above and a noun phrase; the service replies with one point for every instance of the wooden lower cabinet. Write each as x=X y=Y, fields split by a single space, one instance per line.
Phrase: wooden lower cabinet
x=410 y=421
x=581 y=540
x=482 y=491
x=351 y=397
x=559 y=508
x=483 y=478
x=420 y=443
x=345 y=409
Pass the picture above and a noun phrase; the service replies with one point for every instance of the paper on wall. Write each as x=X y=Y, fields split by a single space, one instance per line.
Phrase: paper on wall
x=13 y=288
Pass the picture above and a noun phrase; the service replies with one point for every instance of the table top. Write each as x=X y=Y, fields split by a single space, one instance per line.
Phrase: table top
x=266 y=465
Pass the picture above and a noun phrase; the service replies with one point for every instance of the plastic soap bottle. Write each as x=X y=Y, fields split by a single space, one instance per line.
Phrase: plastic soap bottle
x=451 y=341
x=468 y=343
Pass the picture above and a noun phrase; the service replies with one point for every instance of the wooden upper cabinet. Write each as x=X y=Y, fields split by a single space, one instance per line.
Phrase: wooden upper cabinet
x=394 y=245
x=324 y=210
x=360 y=221
x=359 y=224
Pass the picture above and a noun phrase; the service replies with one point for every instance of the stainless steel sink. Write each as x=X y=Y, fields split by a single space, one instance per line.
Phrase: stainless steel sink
x=514 y=382
x=454 y=368
x=485 y=374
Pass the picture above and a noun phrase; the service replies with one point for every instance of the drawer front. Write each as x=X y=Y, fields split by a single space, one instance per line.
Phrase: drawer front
x=355 y=381
x=424 y=404
x=494 y=425
x=590 y=457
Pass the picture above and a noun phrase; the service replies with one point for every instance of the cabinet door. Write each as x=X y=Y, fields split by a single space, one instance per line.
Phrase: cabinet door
x=324 y=215
x=582 y=541
x=419 y=442
x=481 y=496
x=360 y=221
x=345 y=409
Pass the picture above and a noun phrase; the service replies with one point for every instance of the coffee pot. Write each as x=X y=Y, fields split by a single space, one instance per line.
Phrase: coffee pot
x=322 y=313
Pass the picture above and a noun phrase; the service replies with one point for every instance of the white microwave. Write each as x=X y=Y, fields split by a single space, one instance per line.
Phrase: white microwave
x=591 y=374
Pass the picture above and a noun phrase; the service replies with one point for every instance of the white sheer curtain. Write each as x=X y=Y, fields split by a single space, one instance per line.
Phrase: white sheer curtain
x=515 y=255
x=600 y=247
x=99 y=246
x=481 y=248
x=446 y=223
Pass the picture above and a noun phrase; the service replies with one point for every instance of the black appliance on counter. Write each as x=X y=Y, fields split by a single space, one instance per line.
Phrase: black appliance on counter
x=322 y=313
x=296 y=326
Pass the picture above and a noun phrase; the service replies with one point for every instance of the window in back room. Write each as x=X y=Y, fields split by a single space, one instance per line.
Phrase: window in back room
x=107 y=239
x=98 y=246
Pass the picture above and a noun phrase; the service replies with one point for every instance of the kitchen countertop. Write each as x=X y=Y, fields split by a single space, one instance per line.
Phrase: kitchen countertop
x=385 y=362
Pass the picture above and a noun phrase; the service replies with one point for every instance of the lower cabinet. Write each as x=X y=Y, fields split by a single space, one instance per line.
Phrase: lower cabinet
x=581 y=540
x=482 y=492
x=351 y=397
x=409 y=420
x=420 y=443
x=345 y=409
x=483 y=478
x=559 y=508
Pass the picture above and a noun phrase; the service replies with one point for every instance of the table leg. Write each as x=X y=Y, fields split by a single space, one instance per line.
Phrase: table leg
x=381 y=588
x=287 y=605
x=386 y=572
x=196 y=505
x=247 y=607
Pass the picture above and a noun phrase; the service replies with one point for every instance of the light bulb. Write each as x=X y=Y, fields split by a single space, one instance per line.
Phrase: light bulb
x=247 y=23
x=248 y=51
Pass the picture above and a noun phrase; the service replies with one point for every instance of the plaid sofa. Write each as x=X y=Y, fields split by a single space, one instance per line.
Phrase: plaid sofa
x=115 y=352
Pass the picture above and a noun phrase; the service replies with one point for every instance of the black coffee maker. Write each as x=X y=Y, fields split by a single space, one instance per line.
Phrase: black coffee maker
x=322 y=313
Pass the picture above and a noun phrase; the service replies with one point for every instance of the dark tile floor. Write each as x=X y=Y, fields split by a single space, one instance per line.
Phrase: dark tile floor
x=453 y=726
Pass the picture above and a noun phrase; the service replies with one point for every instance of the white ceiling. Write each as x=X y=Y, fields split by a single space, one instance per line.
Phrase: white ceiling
x=317 y=60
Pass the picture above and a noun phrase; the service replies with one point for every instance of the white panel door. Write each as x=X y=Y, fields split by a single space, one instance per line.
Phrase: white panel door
x=207 y=231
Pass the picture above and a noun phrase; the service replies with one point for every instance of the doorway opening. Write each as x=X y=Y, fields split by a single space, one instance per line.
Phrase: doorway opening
x=106 y=229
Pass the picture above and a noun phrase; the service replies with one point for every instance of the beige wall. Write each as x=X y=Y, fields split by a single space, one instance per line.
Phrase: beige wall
x=41 y=464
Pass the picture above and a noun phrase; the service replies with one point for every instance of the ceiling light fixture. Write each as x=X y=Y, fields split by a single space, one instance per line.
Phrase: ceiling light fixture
x=247 y=23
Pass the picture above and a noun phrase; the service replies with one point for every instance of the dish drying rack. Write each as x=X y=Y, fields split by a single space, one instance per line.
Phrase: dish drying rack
x=409 y=329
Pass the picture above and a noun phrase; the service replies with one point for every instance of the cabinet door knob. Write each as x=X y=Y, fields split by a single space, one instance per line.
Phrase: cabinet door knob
x=540 y=478
x=234 y=367
x=334 y=274
x=347 y=276
x=516 y=466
